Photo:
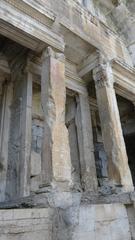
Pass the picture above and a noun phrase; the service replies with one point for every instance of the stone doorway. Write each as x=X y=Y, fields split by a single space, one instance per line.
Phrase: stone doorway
x=127 y=117
x=130 y=146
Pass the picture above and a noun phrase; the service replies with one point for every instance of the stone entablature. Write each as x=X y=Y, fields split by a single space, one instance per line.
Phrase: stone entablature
x=88 y=28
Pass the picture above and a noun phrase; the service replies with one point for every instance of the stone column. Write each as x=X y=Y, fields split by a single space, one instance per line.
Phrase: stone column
x=86 y=148
x=7 y=94
x=26 y=122
x=56 y=162
x=19 y=146
x=118 y=169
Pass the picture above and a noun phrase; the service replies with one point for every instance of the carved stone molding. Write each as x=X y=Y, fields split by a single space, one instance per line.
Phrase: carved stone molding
x=44 y=18
x=49 y=52
x=102 y=73
x=38 y=34
x=124 y=77
x=100 y=77
x=73 y=81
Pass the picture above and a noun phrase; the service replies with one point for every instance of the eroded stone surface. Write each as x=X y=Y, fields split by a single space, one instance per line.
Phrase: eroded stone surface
x=62 y=177
x=118 y=169
x=53 y=91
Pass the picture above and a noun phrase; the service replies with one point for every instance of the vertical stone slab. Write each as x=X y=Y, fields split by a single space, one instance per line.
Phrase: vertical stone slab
x=56 y=162
x=26 y=122
x=85 y=138
x=71 y=108
x=4 y=135
x=118 y=169
x=18 y=173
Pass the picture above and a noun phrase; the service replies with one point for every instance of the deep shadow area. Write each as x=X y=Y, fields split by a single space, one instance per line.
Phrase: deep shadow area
x=130 y=146
x=127 y=117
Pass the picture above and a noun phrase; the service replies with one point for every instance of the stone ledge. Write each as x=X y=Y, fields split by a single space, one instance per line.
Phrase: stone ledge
x=43 y=200
x=123 y=198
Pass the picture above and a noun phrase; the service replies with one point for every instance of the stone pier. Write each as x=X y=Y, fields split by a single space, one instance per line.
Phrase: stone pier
x=26 y=135
x=19 y=146
x=56 y=162
x=118 y=169
x=6 y=99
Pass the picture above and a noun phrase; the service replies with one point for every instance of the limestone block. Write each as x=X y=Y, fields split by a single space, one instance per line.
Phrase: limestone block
x=35 y=182
x=104 y=222
x=56 y=163
x=35 y=163
x=26 y=224
x=110 y=212
x=40 y=235
x=131 y=216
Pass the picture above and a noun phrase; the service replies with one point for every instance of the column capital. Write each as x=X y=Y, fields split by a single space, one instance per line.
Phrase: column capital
x=49 y=52
x=102 y=73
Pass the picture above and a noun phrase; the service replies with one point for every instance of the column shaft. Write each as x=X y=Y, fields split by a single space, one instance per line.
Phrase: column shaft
x=19 y=146
x=118 y=169
x=4 y=135
x=56 y=162
x=86 y=148
x=26 y=122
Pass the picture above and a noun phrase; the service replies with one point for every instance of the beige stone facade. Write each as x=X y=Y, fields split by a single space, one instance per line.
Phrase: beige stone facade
x=67 y=119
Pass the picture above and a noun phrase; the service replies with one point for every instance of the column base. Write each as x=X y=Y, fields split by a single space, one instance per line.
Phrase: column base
x=109 y=187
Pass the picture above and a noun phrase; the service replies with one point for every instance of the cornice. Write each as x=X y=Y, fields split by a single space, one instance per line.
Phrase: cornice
x=71 y=75
x=124 y=76
x=42 y=15
x=122 y=91
x=123 y=65
x=123 y=72
x=30 y=27
x=73 y=81
x=34 y=65
x=46 y=16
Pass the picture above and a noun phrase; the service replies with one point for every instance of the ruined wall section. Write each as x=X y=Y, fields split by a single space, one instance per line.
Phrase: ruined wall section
x=101 y=222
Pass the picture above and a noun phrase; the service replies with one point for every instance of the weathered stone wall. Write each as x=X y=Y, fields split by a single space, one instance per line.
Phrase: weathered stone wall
x=131 y=217
x=25 y=224
x=49 y=155
x=104 y=222
x=91 y=25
